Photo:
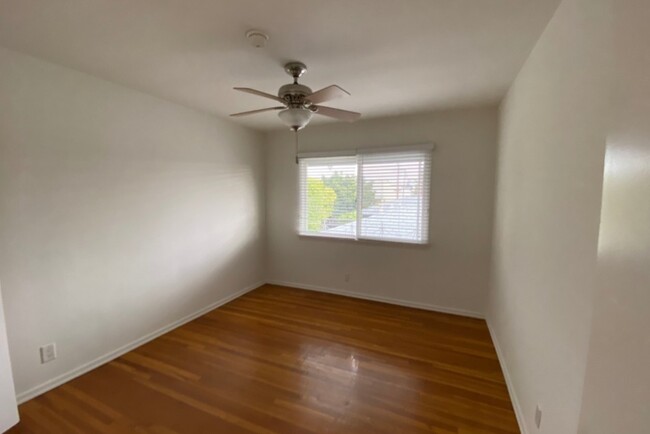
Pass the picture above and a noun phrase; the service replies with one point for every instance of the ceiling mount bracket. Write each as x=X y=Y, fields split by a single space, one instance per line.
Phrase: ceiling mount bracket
x=295 y=69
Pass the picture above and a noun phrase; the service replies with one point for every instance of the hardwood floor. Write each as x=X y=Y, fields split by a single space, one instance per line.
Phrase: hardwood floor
x=281 y=360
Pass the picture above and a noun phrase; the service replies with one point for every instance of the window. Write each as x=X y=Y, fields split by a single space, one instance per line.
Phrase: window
x=373 y=195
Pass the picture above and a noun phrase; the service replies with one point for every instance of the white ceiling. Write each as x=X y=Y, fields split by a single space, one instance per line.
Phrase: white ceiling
x=394 y=56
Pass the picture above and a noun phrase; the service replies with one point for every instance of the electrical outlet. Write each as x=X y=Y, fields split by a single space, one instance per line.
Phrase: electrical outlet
x=538 y=417
x=48 y=352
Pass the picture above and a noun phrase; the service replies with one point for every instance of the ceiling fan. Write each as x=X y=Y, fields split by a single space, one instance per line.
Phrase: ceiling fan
x=299 y=103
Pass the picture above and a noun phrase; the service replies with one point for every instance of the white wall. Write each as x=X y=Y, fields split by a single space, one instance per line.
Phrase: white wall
x=8 y=408
x=119 y=214
x=552 y=143
x=452 y=272
x=617 y=385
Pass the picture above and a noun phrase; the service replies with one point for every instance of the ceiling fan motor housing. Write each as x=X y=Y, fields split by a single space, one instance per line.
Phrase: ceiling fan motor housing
x=294 y=94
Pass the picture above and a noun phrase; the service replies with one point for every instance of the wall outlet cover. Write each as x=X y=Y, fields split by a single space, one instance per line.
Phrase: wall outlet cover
x=48 y=352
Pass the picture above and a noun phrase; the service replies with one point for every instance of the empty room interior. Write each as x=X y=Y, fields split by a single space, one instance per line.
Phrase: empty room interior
x=325 y=217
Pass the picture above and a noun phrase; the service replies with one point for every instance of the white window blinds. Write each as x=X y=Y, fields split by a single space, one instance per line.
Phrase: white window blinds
x=395 y=191
x=375 y=195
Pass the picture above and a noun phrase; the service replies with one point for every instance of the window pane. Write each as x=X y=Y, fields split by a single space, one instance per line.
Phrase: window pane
x=395 y=189
x=328 y=196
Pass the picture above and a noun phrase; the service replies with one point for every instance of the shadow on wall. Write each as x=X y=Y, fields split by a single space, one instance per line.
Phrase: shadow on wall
x=94 y=271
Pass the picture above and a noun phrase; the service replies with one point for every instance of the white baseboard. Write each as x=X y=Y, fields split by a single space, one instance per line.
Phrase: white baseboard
x=511 y=389
x=86 y=367
x=398 y=302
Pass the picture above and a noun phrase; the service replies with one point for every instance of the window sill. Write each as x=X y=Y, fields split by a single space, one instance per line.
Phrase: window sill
x=382 y=242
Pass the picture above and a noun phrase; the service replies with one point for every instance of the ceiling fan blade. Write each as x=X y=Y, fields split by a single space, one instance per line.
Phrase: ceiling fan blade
x=326 y=94
x=252 y=112
x=342 y=115
x=259 y=93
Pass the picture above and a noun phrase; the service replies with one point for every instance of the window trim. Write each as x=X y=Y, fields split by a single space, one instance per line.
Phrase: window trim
x=363 y=150
x=426 y=147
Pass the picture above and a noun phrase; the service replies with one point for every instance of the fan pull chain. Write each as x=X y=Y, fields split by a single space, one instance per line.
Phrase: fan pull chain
x=296 y=137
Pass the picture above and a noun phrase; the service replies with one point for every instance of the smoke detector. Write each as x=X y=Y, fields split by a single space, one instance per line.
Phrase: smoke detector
x=257 y=38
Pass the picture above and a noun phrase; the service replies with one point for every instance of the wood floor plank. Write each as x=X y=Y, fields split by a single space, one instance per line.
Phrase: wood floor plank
x=283 y=360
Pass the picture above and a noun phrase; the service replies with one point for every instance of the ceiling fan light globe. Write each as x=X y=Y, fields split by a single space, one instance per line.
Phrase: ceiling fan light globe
x=295 y=118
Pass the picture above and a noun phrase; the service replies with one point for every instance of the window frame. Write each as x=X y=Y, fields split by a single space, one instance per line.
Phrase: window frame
x=357 y=153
